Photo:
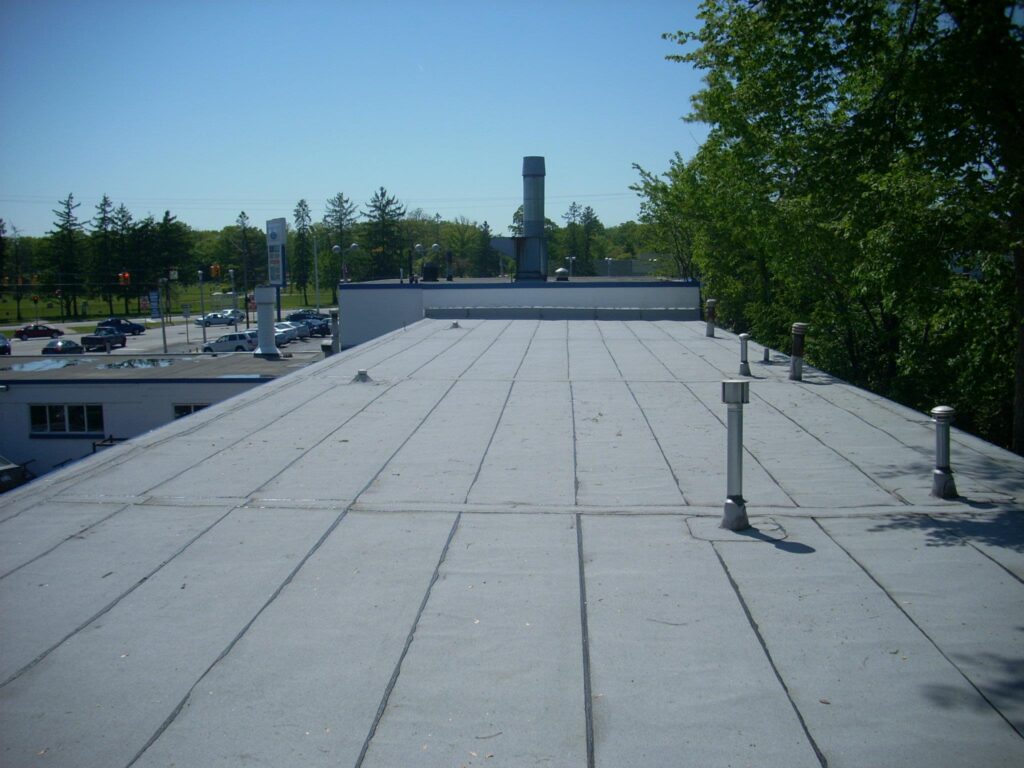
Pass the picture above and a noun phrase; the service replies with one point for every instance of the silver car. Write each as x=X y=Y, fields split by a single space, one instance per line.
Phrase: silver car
x=214 y=318
x=231 y=342
x=289 y=331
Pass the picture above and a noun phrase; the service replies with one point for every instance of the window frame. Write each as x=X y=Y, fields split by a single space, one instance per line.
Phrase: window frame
x=66 y=420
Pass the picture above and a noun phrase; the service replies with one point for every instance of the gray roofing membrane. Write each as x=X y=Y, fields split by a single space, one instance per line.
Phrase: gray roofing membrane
x=504 y=550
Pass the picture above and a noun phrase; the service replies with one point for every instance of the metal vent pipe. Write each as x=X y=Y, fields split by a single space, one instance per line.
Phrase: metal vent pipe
x=943 y=485
x=796 y=360
x=734 y=394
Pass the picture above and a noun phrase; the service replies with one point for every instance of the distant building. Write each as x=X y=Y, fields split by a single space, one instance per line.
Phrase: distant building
x=56 y=410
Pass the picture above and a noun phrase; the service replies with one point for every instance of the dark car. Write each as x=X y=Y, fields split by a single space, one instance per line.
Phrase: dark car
x=5 y=345
x=126 y=327
x=104 y=337
x=63 y=347
x=318 y=323
x=38 y=331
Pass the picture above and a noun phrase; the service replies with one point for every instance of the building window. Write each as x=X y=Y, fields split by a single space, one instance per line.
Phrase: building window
x=187 y=408
x=66 y=419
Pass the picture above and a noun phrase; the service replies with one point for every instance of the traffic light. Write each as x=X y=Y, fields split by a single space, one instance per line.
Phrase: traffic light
x=124 y=278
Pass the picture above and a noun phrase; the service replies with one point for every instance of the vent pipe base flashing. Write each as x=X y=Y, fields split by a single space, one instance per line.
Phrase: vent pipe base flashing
x=734 y=517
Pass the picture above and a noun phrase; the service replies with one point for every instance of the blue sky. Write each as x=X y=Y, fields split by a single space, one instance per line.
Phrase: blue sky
x=209 y=108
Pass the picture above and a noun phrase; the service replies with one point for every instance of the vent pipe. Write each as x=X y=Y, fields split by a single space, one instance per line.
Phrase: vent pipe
x=943 y=485
x=734 y=394
x=744 y=362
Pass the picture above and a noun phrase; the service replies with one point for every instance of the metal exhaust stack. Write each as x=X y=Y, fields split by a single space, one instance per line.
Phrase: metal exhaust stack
x=532 y=255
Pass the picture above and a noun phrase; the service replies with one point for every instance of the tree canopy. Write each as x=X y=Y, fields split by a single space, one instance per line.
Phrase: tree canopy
x=863 y=172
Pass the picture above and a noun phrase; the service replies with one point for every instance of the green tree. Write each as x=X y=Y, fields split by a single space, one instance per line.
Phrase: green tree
x=839 y=185
x=121 y=226
x=339 y=219
x=100 y=278
x=245 y=244
x=301 y=255
x=384 y=215
x=66 y=249
x=173 y=251
x=19 y=271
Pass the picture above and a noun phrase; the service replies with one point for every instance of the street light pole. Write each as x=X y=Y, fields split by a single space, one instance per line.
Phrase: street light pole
x=202 y=305
x=316 y=274
x=234 y=298
x=163 y=318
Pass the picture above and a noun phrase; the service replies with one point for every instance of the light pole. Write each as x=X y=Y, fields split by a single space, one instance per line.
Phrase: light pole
x=337 y=250
x=608 y=264
x=163 y=319
x=234 y=298
x=202 y=305
x=570 y=259
x=316 y=273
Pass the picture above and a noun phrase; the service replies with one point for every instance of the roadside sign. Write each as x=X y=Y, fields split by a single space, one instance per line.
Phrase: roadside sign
x=186 y=311
x=154 y=305
x=277 y=235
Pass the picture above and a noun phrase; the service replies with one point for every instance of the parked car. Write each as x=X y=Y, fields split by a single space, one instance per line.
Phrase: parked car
x=104 y=337
x=231 y=342
x=318 y=325
x=63 y=347
x=5 y=345
x=234 y=315
x=38 y=331
x=301 y=329
x=289 y=331
x=307 y=314
x=214 y=318
x=279 y=338
x=127 y=327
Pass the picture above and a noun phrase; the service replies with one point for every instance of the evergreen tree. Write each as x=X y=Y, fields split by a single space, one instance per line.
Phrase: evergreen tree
x=339 y=219
x=301 y=257
x=100 y=278
x=384 y=216
x=121 y=225
x=245 y=246
x=173 y=250
x=66 y=248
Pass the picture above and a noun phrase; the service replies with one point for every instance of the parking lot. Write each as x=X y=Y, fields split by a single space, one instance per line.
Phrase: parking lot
x=182 y=337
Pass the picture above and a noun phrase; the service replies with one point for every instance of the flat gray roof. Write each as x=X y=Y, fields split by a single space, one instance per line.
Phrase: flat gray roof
x=503 y=550
x=155 y=366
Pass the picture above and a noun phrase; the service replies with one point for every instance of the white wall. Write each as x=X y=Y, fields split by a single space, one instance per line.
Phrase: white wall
x=129 y=409
x=369 y=310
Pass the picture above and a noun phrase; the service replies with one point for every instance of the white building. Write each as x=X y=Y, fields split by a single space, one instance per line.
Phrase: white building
x=54 y=410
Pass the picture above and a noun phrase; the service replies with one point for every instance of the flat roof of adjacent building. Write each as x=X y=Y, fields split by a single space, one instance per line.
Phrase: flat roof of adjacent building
x=158 y=367
x=503 y=549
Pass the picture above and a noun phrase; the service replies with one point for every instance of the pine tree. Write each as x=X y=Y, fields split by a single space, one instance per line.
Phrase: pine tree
x=100 y=278
x=339 y=219
x=66 y=255
x=301 y=256
x=385 y=243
